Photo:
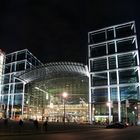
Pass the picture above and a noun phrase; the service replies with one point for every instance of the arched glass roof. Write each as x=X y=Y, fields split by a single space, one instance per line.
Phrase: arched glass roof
x=54 y=69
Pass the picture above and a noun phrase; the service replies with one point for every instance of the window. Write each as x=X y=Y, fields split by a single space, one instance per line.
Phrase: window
x=128 y=76
x=113 y=94
x=111 y=48
x=6 y=79
x=99 y=95
x=13 y=57
x=99 y=79
x=8 y=59
x=21 y=55
x=20 y=66
x=7 y=68
x=5 y=99
x=127 y=60
x=17 y=99
x=5 y=89
x=112 y=62
x=124 y=31
x=18 y=88
x=129 y=92
x=113 y=77
x=98 y=36
x=99 y=64
x=13 y=67
x=125 y=45
x=98 y=51
x=110 y=34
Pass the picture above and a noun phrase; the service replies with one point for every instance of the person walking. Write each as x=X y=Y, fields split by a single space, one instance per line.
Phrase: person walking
x=6 y=122
x=45 y=125
x=20 y=123
x=36 y=123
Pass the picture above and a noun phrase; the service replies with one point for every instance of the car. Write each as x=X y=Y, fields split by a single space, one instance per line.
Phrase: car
x=116 y=125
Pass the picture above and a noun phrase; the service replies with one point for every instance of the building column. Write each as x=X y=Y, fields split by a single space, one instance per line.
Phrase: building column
x=138 y=113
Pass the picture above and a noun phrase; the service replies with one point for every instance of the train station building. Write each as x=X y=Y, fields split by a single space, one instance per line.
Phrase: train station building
x=106 y=89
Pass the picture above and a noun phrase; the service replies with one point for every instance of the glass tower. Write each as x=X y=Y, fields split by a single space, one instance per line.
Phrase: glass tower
x=13 y=89
x=2 y=59
x=114 y=73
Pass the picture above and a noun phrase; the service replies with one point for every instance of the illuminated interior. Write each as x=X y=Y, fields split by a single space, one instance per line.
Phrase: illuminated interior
x=43 y=94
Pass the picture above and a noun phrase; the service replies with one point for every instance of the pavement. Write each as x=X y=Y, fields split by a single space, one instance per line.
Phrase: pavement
x=28 y=128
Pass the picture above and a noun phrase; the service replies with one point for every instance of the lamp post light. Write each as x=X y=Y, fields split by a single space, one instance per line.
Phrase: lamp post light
x=65 y=94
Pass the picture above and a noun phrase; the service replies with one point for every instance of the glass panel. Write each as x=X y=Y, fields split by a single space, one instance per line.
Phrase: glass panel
x=113 y=77
x=6 y=79
x=30 y=59
x=110 y=34
x=13 y=67
x=13 y=56
x=18 y=88
x=128 y=76
x=111 y=48
x=124 y=31
x=113 y=94
x=99 y=79
x=112 y=62
x=17 y=99
x=5 y=99
x=99 y=95
x=10 y=99
x=97 y=37
x=125 y=46
x=127 y=60
x=28 y=66
x=21 y=55
x=101 y=109
x=7 y=68
x=99 y=64
x=8 y=59
x=5 y=89
x=129 y=92
x=20 y=66
x=12 y=78
x=98 y=50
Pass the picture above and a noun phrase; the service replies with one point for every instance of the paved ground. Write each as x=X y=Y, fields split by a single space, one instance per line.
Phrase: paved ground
x=130 y=133
x=13 y=128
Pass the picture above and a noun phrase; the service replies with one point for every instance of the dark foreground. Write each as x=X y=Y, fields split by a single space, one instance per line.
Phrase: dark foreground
x=130 y=133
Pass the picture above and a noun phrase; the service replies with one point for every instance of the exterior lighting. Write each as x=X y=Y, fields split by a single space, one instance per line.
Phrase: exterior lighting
x=64 y=95
x=135 y=107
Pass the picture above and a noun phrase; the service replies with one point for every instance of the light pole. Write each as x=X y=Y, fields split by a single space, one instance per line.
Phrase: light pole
x=65 y=94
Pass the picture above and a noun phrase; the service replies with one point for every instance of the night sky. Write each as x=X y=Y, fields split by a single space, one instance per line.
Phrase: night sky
x=56 y=30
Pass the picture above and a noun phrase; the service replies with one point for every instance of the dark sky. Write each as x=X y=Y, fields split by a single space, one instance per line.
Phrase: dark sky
x=56 y=30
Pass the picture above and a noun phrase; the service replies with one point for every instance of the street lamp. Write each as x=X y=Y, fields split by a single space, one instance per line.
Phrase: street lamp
x=65 y=94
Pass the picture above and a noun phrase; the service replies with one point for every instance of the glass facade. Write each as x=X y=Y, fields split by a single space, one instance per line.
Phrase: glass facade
x=2 y=59
x=114 y=72
x=43 y=92
x=12 y=93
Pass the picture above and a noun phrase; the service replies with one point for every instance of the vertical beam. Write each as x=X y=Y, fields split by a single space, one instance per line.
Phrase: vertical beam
x=12 y=97
x=7 y=109
x=118 y=90
x=89 y=65
x=90 y=102
x=109 y=96
x=22 y=107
